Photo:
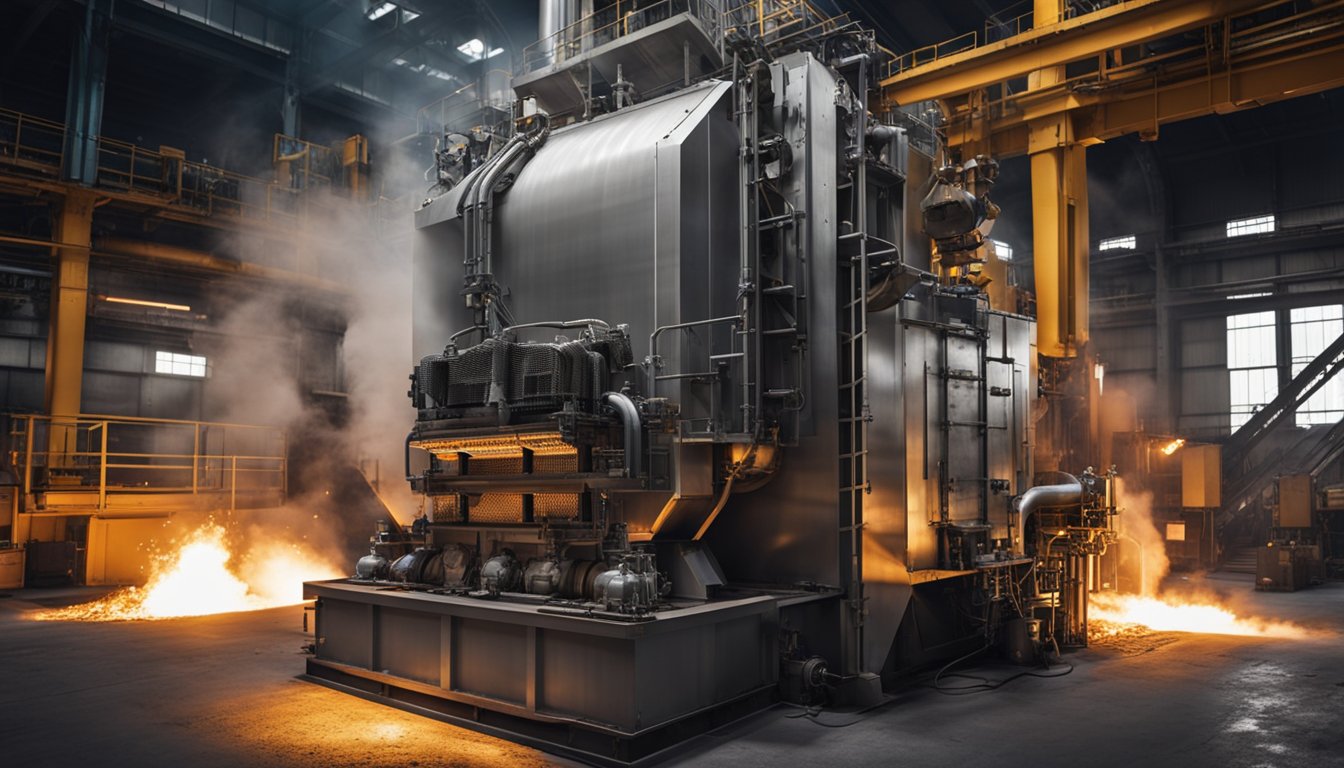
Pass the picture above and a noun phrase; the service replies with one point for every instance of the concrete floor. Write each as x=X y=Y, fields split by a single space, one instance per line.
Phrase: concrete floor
x=220 y=691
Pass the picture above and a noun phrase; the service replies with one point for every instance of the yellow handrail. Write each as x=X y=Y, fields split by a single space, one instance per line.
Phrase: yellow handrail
x=87 y=445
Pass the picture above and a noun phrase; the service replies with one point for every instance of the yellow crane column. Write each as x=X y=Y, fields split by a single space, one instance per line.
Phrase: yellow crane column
x=69 y=307
x=1059 y=236
x=1059 y=216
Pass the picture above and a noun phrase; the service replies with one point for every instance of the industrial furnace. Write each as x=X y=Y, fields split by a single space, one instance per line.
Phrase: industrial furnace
x=702 y=423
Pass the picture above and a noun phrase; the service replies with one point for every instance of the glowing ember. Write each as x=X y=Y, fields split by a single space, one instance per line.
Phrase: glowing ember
x=1119 y=612
x=1173 y=446
x=196 y=580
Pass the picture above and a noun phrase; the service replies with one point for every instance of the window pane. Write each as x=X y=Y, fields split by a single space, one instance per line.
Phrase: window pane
x=1252 y=363
x=176 y=364
x=1252 y=226
x=1313 y=329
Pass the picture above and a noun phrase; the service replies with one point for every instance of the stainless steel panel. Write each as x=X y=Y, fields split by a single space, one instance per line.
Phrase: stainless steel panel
x=788 y=531
x=623 y=218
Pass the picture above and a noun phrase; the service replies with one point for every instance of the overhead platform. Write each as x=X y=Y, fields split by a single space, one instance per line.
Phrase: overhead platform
x=654 y=54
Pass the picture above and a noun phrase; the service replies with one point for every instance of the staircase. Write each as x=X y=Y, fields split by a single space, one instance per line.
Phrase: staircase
x=1241 y=560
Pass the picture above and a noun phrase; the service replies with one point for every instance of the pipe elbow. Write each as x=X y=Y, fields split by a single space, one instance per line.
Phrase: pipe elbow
x=633 y=428
x=1045 y=497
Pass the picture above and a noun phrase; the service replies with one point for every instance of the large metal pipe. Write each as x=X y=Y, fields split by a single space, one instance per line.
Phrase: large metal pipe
x=1045 y=497
x=147 y=249
x=629 y=414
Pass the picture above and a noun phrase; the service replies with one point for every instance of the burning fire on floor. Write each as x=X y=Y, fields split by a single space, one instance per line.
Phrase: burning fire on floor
x=1112 y=614
x=204 y=574
x=1158 y=608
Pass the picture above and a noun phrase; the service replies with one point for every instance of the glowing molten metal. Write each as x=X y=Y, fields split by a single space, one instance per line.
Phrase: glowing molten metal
x=197 y=579
x=1114 y=613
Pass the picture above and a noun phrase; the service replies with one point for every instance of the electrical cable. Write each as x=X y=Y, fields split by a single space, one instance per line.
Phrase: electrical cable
x=984 y=684
x=812 y=713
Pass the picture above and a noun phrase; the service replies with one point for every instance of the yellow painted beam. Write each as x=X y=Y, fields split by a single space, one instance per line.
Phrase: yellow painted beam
x=1049 y=45
x=1059 y=238
x=69 y=305
x=1132 y=108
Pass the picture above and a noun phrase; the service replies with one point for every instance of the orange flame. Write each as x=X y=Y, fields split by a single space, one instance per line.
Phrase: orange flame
x=197 y=579
x=1173 y=446
x=1170 y=614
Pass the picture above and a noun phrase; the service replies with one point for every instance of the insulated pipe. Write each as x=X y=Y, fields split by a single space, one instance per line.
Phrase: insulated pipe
x=471 y=254
x=486 y=194
x=1042 y=497
x=173 y=254
x=629 y=414
x=409 y=437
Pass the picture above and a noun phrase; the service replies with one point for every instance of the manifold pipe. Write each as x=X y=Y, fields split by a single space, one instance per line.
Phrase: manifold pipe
x=629 y=414
x=1043 y=497
x=485 y=194
x=467 y=209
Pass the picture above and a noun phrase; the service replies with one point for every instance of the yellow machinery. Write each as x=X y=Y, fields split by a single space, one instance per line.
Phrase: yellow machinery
x=304 y=165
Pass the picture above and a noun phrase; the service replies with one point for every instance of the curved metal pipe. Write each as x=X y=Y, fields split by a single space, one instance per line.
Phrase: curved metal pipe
x=485 y=192
x=634 y=448
x=409 y=437
x=1042 y=497
x=485 y=212
x=586 y=322
x=467 y=209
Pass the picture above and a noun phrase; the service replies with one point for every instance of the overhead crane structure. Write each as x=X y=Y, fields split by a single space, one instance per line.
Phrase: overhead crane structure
x=1072 y=82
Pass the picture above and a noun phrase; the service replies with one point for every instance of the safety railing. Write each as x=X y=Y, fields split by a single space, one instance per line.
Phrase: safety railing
x=775 y=22
x=1288 y=32
x=624 y=17
x=34 y=148
x=104 y=457
x=468 y=107
x=302 y=164
x=994 y=30
x=710 y=368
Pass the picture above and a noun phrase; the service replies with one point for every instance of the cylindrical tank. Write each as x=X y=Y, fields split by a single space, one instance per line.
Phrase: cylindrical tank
x=371 y=566
x=423 y=566
x=458 y=561
x=502 y=573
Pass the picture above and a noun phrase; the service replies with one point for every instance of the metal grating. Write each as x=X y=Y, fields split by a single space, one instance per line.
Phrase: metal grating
x=506 y=465
x=447 y=509
x=542 y=465
x=555 y=505
x=498 y=508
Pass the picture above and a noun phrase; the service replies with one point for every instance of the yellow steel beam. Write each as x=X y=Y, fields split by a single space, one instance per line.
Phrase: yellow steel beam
x=1059 y=238
x=69 y=306
x=1105 y=115
x=65 y=329
x=1049 y=45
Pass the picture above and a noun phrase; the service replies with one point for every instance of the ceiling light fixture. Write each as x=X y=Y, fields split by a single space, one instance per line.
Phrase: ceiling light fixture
x=144 y=303
x=377 y=12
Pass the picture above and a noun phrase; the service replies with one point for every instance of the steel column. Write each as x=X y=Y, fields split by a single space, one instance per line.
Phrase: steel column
x=1060 y=237
x=84 y=95
x=69 y=306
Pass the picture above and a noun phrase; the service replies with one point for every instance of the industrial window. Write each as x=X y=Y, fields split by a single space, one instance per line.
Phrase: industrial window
x=1250 y=295
x=1125 y=243
x=1252 y=364
x=1253 y=226
x=1314 y=329
x=176 y=364
x=1003 y=250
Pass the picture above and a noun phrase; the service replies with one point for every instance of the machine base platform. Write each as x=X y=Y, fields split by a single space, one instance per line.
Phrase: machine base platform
x=607 y=692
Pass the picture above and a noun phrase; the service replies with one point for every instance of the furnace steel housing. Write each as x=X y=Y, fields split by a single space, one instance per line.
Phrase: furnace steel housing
x=820 y=468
